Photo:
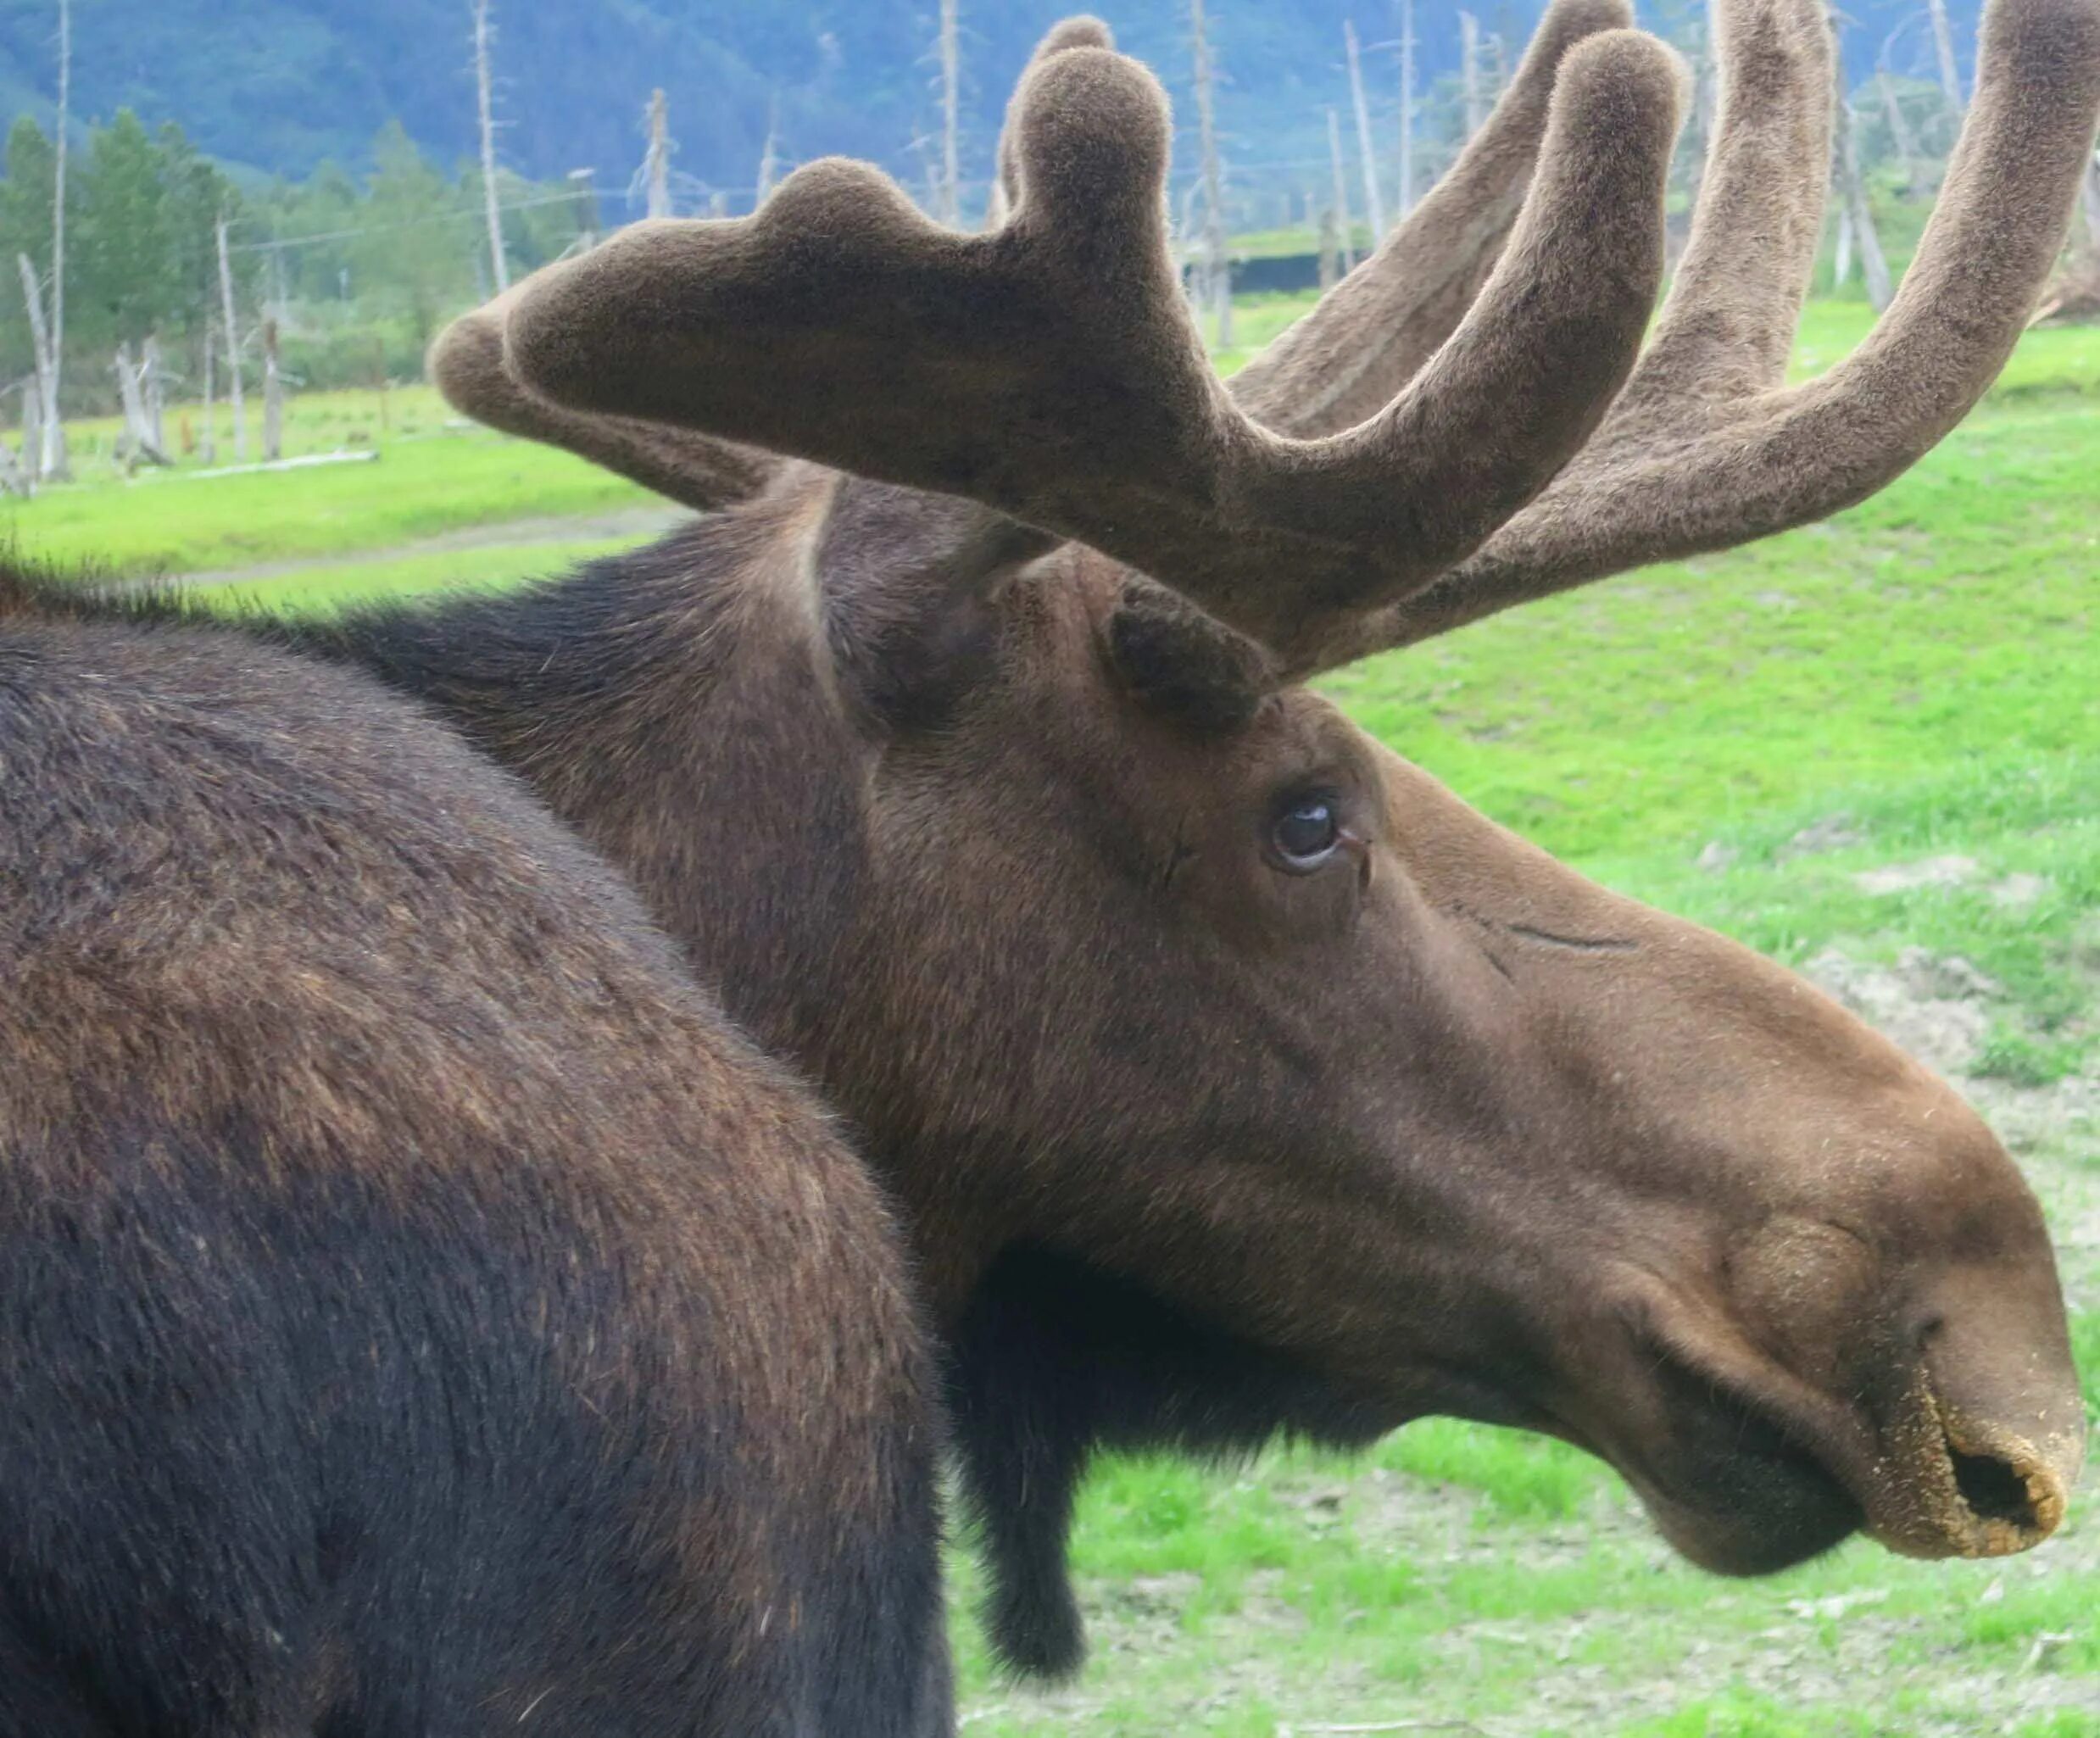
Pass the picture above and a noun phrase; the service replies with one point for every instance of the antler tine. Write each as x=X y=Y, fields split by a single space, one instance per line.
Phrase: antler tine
x=1375 y=329
x=466 y=364
x=1052 y=370
x=1705 y=450
x=1082 y=32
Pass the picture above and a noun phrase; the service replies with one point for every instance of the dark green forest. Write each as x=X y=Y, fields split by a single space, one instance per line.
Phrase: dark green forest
x=281 y=86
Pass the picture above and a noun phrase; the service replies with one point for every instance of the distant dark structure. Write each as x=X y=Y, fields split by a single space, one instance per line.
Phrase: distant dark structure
x=420 y=1311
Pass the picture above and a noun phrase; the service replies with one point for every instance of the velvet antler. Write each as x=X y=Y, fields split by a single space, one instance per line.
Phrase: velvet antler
x=1051 y=371
x=466 y=365
x=1369 y=336
x=1706 y=448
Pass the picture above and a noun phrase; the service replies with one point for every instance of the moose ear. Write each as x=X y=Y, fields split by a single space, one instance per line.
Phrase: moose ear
x=1175 y=659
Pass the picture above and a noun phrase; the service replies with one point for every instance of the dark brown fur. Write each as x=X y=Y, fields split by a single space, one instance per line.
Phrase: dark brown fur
x=420 y=1310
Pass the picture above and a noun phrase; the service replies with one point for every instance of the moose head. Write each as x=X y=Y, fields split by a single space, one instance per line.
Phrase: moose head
x=1234 y=1075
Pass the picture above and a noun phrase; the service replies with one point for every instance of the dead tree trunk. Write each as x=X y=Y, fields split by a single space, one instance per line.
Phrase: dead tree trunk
x=484 y=89
x=2089 y=197
x=1407 y=198
x=1899 y=133
x=153 y=379
x=1842 y=247
x=54 y=459
x=273 y=396
x=32 y=432
x=950 y=211
x=656 y=166
x=140 y=441
x=1365 y=147
x=231 y=328
x=47 y=465
x=1469 y=71
x=769 y=159
x=1943 y=50
x=1873 y=262
x=210 y=442
x=1341 y=193
x=1220 y=284
x=1330 y=251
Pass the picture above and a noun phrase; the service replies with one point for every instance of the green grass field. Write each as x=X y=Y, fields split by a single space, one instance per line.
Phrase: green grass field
x=1876 y=740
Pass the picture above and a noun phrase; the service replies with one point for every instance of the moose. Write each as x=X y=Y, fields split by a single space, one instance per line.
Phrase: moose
x=421 y=1310
x=1226 y=1075
x=1232 y=1077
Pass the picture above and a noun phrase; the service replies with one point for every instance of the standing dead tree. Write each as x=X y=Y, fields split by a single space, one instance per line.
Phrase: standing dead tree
x=1469 y=71
x=1857 y=214
x=1341 y=193
x=949 y=209
x=1943 y=52
x=769 y=159
x=1900 y=136
x=230 y=328
x=53 y=461
x=139 y=441
x=1406 y=196
x=1218 y=265
x=208 y=440
x=484 y=89
x=656 y=165
x=49 y=458
x=1374 y=202
x=273 y=396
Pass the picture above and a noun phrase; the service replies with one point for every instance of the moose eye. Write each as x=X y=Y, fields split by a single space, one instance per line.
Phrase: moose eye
x=1305 y=836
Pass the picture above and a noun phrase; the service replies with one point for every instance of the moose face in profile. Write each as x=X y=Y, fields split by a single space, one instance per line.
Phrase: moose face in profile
x=1232 y=1075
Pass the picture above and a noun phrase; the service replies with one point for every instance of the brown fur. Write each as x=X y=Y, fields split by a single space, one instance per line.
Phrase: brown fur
x=1196 y=1144
x=384 y=1220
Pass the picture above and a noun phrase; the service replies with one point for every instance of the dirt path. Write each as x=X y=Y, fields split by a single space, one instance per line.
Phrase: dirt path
x=510 y=533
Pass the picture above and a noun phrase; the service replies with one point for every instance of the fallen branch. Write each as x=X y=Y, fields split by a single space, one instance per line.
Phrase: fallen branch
x=1283 y=1731
x=299 y=464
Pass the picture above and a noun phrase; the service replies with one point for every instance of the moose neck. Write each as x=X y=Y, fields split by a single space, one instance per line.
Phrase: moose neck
x=674 y=705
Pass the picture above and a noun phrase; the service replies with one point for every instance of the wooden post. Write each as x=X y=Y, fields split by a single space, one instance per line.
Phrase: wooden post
x=1365 y=148
x=231 y=328
x=273 y=396
x=1469 y=70
x=657 y=165
x=1341 y=193
x=1213 y=180
x=1406 y=202
x=950 y=210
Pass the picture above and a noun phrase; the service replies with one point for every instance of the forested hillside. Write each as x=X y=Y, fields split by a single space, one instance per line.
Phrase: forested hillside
x=281 y=85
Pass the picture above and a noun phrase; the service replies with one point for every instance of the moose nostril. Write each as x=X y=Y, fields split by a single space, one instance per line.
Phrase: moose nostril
x=1994 y=1490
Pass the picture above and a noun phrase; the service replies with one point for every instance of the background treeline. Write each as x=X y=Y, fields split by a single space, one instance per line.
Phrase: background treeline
x=359 y=270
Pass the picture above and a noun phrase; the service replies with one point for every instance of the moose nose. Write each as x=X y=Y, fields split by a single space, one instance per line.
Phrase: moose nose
x=1989 y=1443
x=1974 y=1488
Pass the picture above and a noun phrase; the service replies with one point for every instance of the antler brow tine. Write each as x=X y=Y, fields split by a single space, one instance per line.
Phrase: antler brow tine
x=1707 y=448
x=1051 y=370
x=466 y=366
